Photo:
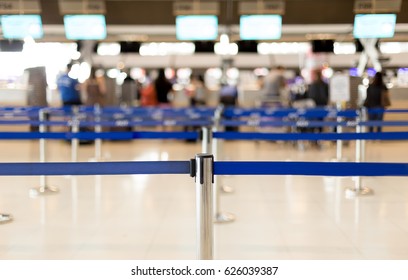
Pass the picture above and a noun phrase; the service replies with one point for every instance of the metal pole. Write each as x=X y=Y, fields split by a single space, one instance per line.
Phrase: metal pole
x=205 y=229
x=339 y=143
x=220 y=217
x=74 y=129
x=43 y=189
x=219 y=147
x=206 y=143
x=98 y=129
x=358 y=189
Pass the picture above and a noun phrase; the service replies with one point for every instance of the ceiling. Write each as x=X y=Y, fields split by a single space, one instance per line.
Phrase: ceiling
x=153 y=20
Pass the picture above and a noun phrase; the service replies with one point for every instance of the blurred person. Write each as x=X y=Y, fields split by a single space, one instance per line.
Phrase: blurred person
x=274 y=87
x=199 y=91
x=129 y=90
x=69 y=88
x=377 y=98
x=163 y=87
x=318 y=91
x=95 y=89
x=229 y=97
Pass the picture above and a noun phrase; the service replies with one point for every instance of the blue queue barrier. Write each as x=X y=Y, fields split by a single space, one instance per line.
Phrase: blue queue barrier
x=203 y=168
x=309 y=123
x=311 y=168
x=219 y=168
x=325 y=136
x=98 y=135
x=232 y=112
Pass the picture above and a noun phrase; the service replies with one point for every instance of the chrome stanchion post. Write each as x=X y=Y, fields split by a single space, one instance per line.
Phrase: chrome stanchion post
x=98 y=129
x=206 y=143
x=220 y=217
x=74 y=129
x=204 y=178
x=43 y=189
x=217 y=119
x=358 y=189
x=339 y=143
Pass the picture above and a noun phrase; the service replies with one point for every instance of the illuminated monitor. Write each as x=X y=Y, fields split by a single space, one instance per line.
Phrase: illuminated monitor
x=85 y=27
x=197 y=27
x=260 y=27
x=374 y=25
x=22 y=26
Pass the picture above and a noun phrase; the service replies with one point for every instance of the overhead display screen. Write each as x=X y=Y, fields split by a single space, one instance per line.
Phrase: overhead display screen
x=85 y=27
x=374 y=25
x=260 y=27
x=22 y=26
x=197 y=27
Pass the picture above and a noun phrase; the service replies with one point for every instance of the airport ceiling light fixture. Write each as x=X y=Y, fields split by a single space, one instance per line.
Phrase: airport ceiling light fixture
x=163 y=49
x=20 y=7
x=224 y=47
x=67 y=7
x=283 y=48
x=377 y=6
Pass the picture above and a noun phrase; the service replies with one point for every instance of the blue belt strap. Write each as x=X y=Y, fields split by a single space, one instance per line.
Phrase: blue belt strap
x=311 y=168
x=94 y=168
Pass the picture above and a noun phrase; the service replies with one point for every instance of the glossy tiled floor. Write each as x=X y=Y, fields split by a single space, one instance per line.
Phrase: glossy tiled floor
x=153 y=217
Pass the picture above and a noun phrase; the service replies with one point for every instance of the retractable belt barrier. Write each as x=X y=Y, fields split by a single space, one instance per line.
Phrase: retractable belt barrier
x=203 y=168
x=219 y=168
x=309 y=123
x=99 y=135
x=326 y=136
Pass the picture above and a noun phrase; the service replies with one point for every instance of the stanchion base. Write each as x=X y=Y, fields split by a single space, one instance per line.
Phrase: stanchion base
x=5 y=218
x=227 y=189
x=353 y=193
x=47 y=190
x=221 y=218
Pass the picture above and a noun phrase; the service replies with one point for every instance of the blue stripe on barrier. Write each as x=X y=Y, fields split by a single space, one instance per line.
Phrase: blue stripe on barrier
x=311 y=168
x=100 y=135
x=94 y=168
x=289 y=112
x=220 y=168
x=310 y=136
x=309 y=123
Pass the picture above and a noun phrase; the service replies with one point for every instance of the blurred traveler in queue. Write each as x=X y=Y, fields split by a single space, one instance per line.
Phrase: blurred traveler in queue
x=129 y=91
x=377 y=98
x=163 y=88
x=199 y=91
x=274 y=88
x=95 y=89
x=318 y=91
x=69 y=89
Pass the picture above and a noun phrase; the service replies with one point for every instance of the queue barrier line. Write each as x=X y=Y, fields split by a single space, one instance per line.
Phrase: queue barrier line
x=201 y=122
x=220 y=168
x=310 y=123
x=289 y=112
x=194 y=135
x=94 y=168
x=99 y=135
x=310 y=168
x=118 y=123
x=329 y=136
